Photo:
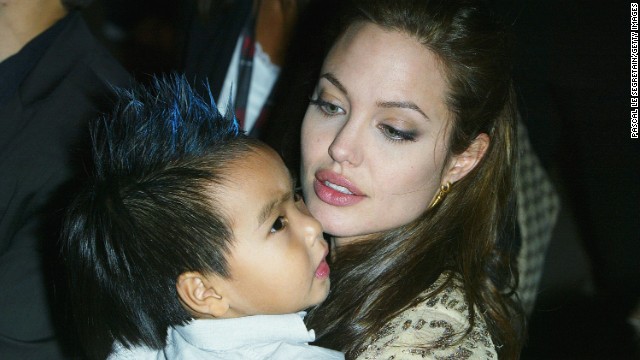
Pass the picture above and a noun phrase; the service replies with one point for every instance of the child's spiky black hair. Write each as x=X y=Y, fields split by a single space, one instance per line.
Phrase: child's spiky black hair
x=154 y=125
x=149 y=212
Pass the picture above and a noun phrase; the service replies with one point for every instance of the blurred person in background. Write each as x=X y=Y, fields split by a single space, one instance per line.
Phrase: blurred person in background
x=54 y=77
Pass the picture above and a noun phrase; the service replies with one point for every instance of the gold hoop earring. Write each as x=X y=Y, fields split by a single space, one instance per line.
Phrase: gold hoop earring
x=444 y=190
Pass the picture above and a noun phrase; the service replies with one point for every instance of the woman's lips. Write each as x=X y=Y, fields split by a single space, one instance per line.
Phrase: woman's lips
x=335 y=189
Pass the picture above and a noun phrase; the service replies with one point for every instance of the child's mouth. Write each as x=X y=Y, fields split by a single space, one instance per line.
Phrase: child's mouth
x=322 y=271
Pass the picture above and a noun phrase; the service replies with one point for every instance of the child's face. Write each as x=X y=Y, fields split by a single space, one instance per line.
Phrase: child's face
x=277 y=257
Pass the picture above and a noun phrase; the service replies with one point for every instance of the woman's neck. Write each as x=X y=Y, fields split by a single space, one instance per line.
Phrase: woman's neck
x=337 y=242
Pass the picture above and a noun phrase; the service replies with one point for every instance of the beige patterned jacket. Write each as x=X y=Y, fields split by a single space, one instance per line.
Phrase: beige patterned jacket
x=421 y=332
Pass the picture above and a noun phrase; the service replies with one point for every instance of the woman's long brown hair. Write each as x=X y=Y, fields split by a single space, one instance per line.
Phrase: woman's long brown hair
x=471 y=233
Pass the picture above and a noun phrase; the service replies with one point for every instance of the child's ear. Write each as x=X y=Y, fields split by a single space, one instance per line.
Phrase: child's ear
x=462 y=164
x=199 y=294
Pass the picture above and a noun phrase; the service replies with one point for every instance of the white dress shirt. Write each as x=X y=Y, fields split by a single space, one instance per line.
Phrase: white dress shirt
x=276 y=337
x=263 y=76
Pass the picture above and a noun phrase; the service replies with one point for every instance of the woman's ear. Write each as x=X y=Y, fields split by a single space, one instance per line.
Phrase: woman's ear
x=198 y=293
x=462 y=164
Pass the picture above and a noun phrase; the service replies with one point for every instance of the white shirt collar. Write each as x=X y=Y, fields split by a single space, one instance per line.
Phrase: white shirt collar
x=223 y=334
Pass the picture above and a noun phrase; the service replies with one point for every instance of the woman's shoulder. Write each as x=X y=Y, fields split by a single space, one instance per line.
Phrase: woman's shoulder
x=434 y=329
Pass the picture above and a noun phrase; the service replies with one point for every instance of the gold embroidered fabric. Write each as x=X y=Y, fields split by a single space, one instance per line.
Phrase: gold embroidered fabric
x=423 y=331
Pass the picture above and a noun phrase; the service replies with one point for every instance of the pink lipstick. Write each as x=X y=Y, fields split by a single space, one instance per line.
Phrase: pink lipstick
x=335 y=189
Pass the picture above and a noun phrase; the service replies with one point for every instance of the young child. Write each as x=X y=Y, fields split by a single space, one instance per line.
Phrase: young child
x=189 y=241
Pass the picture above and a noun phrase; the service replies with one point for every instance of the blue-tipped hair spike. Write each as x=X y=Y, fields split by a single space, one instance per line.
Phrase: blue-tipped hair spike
x=156 y=124
x=230 y=111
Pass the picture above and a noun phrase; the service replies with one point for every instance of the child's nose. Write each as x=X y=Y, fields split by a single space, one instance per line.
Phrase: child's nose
x=312 y=229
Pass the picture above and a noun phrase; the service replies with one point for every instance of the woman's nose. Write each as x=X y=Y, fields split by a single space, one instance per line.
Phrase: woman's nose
x=345 y=147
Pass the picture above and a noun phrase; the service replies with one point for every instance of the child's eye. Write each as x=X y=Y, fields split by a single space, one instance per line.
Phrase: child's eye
x=279 y=224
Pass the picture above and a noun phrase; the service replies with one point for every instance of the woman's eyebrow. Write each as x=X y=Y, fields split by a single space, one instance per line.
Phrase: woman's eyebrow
x=332 y=79
x=402 y=104
x=385 y=104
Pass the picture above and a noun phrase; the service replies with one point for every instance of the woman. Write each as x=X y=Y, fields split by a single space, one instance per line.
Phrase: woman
x=407 y=161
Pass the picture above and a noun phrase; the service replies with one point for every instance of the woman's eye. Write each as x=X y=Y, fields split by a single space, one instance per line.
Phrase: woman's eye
x=327 y=108
x=397 y=135
x=279 y=224
x=331 y=109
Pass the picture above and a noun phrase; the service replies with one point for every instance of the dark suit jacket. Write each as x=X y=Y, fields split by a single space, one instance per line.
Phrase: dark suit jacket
x=211 y=42
x=40 y=127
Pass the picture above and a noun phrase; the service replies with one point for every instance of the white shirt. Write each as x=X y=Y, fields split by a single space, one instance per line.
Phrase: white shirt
x=263 y=76
x=275 y=337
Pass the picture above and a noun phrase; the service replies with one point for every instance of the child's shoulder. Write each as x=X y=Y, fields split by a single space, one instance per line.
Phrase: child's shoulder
x=136 y=352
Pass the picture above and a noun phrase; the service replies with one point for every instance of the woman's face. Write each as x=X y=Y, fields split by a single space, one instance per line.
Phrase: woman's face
x=373 y=137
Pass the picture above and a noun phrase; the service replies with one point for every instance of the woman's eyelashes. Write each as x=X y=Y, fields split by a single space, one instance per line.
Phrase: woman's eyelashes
x=326 y=108
x=279 y=224
x=394 y=134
